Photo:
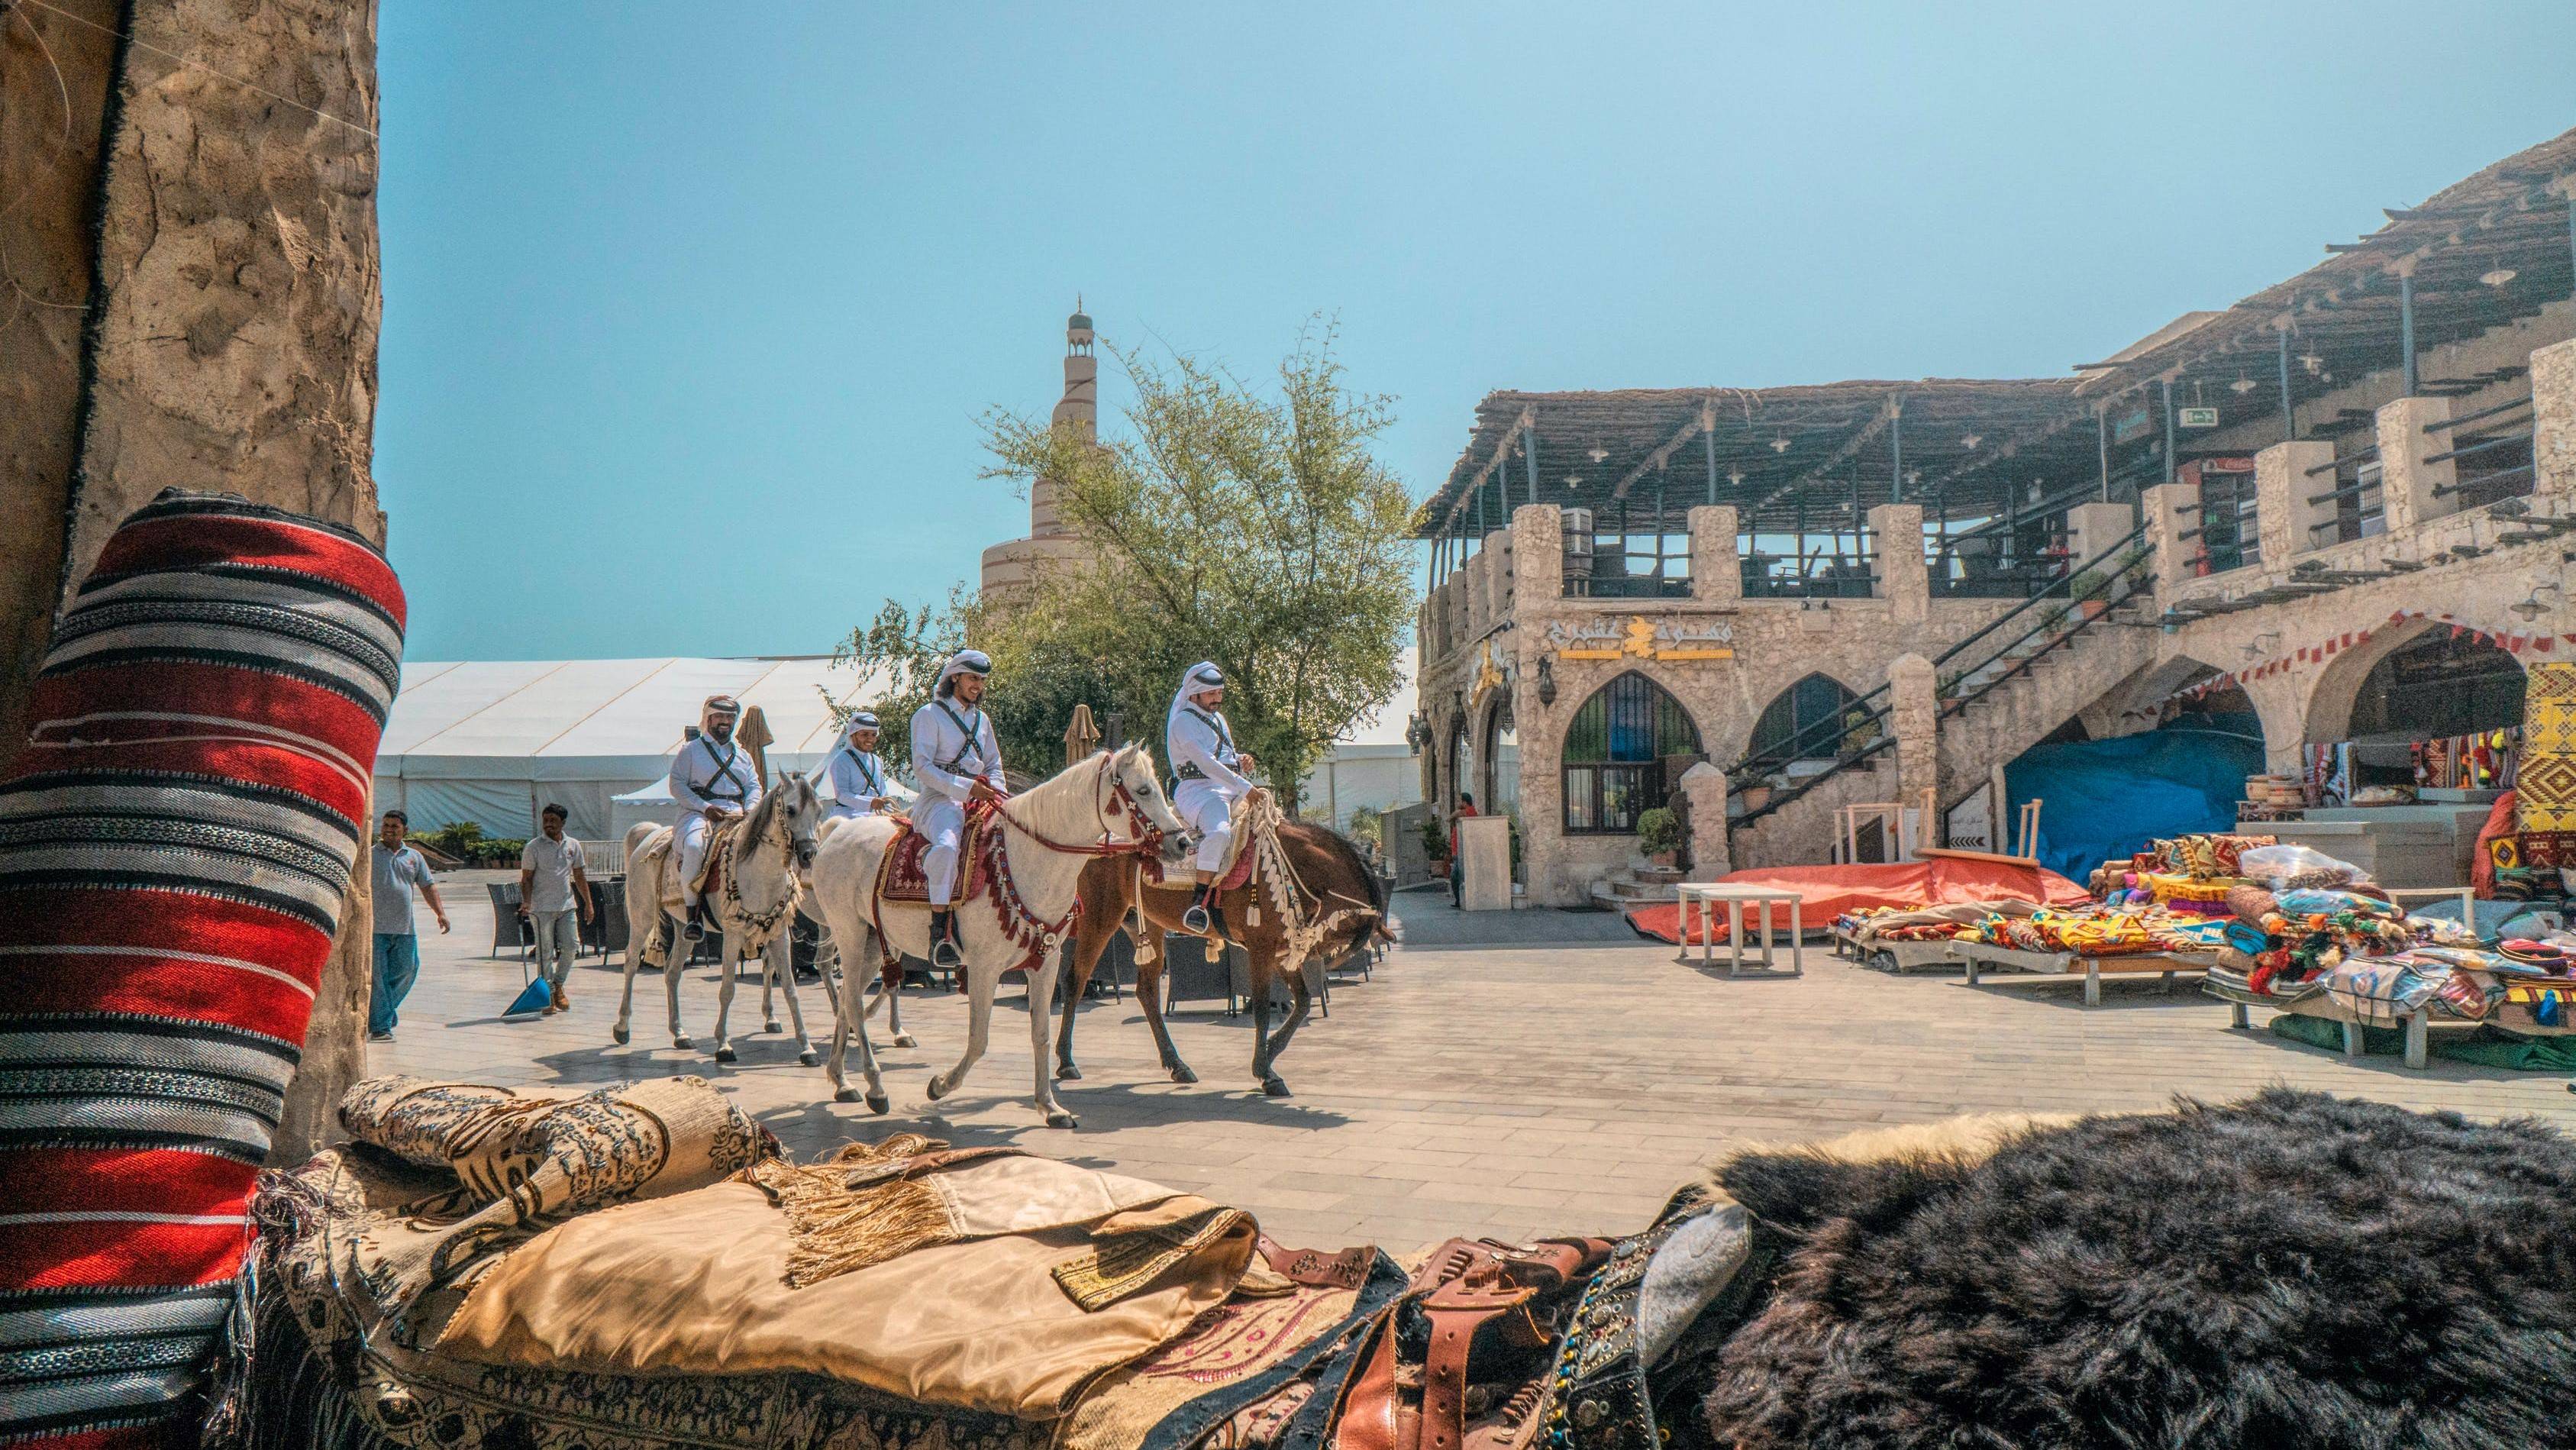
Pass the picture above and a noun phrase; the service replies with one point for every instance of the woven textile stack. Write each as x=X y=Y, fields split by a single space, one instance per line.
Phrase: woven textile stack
x=175 y=842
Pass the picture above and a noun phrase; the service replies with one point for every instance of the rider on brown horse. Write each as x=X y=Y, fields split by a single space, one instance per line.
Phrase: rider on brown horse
x=1211 y=779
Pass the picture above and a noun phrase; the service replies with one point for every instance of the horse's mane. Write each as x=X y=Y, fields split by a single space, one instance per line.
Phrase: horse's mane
x=756 y=824
x=1344 y=847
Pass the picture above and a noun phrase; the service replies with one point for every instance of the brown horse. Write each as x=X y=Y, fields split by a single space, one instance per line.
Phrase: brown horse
x=1337 y=880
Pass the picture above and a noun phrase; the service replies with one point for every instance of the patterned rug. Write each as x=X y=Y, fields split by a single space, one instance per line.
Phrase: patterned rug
x=900 y=877
x=174 y=844
x=2545 y=780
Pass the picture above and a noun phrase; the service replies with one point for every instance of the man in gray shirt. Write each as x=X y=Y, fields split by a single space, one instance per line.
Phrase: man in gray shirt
x=394 y=870
x=551 y=886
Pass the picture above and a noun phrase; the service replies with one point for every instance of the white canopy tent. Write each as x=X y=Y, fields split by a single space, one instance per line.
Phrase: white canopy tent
x=492 y=742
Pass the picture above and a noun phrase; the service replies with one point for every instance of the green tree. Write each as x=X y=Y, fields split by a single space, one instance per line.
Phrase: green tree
x=1254 y=529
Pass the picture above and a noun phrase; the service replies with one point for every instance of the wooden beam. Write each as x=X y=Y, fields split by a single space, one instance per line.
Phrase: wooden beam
x=1704 y=421
x=1525 y=423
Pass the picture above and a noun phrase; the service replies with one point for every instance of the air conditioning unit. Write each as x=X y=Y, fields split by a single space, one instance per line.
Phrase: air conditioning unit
x=1578 y=549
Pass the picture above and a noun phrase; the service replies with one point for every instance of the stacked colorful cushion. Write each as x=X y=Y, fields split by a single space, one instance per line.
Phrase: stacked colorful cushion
x=175 y=842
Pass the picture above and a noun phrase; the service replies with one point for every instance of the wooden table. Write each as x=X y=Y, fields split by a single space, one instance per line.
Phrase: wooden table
x=2073 y=966
x=1706 y=897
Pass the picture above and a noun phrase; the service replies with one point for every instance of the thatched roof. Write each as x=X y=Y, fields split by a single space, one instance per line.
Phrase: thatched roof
x=1787 y=455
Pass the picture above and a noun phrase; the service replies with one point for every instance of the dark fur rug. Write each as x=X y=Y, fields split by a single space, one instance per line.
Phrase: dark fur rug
x=2290 y=1271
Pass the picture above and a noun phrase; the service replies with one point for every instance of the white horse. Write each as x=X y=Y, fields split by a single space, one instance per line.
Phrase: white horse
x=761 y=864
x=1108 y=804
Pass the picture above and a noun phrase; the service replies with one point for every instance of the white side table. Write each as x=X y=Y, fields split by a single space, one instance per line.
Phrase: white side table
x=1704 y=898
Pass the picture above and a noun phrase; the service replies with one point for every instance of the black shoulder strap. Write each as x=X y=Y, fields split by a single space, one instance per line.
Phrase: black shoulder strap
x=1216 y=723
x=974 y=734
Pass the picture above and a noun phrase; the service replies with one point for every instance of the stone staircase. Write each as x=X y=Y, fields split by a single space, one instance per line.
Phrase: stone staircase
x=1990 y=714
x=1637 y=886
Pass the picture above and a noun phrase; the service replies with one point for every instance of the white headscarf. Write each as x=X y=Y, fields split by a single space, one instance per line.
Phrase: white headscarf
x=964 y=662
x=1201 y=676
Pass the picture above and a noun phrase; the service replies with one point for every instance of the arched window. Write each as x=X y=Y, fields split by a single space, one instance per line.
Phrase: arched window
x=1813 y=719
x=1623 y=749
x=1502 y=763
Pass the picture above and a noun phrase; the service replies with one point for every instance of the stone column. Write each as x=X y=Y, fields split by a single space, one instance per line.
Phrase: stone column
x=1538 y=550
x=2553 y=420
x=2092 y=528
x=1904 y=578
x=1914 y=710
x=2411 y=490
x=2281 y=490
x=1717 y=568
x=2165 y=505
x=1704 y=795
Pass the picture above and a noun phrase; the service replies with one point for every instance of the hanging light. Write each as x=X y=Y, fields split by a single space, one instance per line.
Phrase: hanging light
x=1573 y=480
x=1597 y=453
x=2499 y=276
x=2241 y=386
x=1734 y=476
x=1972 y=440
x=1780 y=444
x=2312 y=362
x=1546 y=681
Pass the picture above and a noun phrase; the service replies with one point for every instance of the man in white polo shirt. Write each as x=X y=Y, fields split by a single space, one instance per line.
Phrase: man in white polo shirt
x=551 y=888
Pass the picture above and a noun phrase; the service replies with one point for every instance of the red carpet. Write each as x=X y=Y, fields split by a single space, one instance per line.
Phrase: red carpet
x=1826 y=892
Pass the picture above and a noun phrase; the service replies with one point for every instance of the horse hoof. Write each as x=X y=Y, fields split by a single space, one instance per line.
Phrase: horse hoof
x=1061 y=1119
x=618 y=1034
x=768 y=1026
x=684 y=1042
x=846 y=1095
x=936 y=1089
x=878 y=1103
x=1276 y=1087
x=1068 y=1073
x=725 y=1053
x=809 y=1057
x=1181 y=1072
x=904 y=1039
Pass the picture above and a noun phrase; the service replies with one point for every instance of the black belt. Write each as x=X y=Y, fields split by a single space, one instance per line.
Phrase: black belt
x=1190 y=771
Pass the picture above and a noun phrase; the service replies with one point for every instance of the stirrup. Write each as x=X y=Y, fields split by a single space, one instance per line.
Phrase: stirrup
x=1197 y=918
x=943 y=941
x=691 y=928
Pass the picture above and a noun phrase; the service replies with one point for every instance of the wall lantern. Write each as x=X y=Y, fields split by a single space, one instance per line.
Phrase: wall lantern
x=1546 y=681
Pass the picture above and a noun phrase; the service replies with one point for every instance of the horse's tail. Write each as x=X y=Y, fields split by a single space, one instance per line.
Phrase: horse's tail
x=1382 y=928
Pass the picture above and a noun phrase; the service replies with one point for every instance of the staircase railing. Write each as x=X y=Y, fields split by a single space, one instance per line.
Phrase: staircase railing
x=2113 y=582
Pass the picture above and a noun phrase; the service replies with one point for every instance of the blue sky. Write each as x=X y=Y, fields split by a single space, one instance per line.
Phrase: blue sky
x=690 y=311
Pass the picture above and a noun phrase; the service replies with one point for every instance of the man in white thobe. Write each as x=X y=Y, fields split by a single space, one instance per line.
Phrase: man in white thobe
x=711 y=778
x=854 y=778
x=956 y=759
x=1211 y=779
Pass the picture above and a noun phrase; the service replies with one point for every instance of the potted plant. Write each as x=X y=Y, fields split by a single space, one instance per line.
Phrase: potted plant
x=2088 y=592
x=1659 y=835
x=1435 y=846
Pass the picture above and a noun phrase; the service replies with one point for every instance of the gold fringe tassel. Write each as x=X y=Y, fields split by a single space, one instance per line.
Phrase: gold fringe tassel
x=838 y=1228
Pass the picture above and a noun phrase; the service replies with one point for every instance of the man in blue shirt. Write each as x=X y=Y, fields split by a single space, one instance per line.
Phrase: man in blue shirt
x=394 y=870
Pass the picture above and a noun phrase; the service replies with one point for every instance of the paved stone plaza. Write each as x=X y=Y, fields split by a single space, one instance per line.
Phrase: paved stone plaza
x=1502 y=1074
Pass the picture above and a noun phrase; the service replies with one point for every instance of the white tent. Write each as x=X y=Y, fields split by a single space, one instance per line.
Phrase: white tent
x=492 y=742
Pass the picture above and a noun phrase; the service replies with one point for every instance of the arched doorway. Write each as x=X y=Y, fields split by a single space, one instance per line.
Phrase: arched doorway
x=1814 y=719
x=2425 y=713
x=1462 y=766
x=1502 y=763
x=1624 y=749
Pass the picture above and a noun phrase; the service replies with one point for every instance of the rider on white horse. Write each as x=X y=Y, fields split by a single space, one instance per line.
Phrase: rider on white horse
x=856 y=779
x=712 y=778
x=956 y=760
x=1211 y=780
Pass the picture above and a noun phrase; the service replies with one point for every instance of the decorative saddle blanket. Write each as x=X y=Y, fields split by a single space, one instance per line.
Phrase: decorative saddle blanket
x=719 y=841
x=900 y=877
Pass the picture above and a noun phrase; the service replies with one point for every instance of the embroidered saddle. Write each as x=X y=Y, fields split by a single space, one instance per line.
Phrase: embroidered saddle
x=901 y=880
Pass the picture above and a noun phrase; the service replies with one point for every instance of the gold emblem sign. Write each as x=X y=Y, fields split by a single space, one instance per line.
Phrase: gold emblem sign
x=1641 y=638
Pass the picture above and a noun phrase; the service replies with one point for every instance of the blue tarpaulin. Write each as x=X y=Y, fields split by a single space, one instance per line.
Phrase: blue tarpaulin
x=2102 y=800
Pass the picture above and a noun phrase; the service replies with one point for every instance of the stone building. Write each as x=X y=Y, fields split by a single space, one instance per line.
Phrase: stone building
x=2344 y=507
x=1012 y=563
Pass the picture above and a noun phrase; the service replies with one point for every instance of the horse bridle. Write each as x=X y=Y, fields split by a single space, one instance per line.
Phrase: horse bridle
x=1117 y=806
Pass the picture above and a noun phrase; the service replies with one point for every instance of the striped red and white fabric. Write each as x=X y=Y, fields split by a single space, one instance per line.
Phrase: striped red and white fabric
x=175 y=841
